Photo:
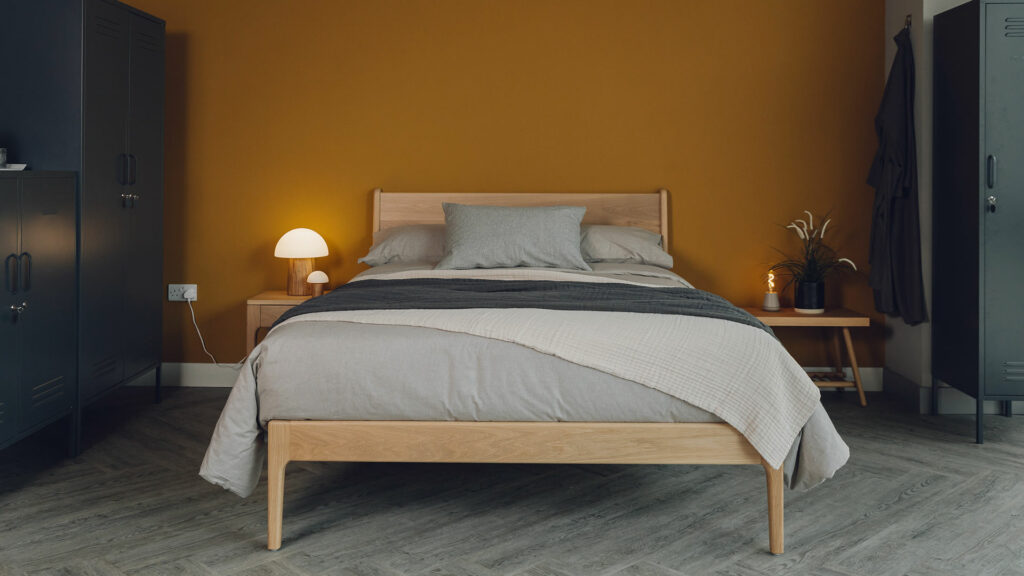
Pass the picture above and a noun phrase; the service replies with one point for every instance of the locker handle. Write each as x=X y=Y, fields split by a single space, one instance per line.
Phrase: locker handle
x=990 y=171
x=133 y=166
x=11 y=274
x=122 y=169
x=16 y=310
x=26 y=278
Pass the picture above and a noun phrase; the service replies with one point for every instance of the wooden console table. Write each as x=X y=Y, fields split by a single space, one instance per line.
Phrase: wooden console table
x=838 y=321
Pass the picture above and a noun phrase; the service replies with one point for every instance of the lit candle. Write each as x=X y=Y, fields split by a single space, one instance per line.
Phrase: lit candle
x=771 y=297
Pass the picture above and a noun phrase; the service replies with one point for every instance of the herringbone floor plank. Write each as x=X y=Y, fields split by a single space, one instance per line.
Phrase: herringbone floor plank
x=918 y=497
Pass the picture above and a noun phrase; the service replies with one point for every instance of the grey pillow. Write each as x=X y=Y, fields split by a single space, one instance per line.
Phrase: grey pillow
x=407 y=244
x=508 y=237
x=623 y=244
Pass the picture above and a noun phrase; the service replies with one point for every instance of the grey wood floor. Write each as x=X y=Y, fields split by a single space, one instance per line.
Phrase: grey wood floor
x=917 y=498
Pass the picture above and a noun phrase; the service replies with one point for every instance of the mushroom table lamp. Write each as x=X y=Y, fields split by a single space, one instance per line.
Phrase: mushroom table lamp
x=300 y=246
x=317 y=280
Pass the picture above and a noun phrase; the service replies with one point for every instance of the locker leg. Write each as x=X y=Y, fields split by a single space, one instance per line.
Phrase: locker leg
x=156 y=387
x=1008 y=408
x=935 y=397
x=980 y=420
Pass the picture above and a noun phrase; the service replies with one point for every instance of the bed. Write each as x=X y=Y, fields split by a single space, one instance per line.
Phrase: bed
x=591 y=414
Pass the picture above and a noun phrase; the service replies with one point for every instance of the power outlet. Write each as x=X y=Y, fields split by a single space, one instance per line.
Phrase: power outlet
x=176 y=292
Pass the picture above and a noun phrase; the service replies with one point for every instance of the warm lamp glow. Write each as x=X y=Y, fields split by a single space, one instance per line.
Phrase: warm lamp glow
x=771 y=298
x=300 y=246
x=301 y=243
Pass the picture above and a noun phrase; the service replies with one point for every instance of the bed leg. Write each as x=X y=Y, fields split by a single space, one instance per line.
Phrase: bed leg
x=776 y=484
x=277 y=460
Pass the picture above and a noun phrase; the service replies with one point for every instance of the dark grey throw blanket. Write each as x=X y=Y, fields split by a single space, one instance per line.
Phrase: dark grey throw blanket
x=461 y=293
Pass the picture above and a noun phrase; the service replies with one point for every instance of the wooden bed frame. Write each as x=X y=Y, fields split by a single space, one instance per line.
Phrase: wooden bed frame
x=513 y=442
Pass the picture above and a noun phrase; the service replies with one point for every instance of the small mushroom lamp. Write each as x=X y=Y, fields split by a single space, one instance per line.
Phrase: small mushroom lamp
x=300 y=246
x=771 y=297
x=317 y=280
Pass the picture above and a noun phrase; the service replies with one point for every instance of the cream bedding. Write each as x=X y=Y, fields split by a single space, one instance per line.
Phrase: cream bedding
x=343 y=365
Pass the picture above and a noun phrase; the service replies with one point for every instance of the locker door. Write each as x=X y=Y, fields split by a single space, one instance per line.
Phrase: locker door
x=9 y=374
x=144 y=250
x=104 y=217
x=1004 y=227
x=48 y=334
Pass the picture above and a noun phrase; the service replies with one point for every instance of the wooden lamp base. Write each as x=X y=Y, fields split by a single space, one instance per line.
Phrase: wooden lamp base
x=298 y=271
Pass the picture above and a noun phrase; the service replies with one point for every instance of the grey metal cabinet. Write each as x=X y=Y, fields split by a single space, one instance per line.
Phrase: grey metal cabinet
x=86 y=93
x=978 y=228
x=38 y=330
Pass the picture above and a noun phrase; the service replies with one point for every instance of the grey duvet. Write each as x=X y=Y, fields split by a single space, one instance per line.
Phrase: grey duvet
x=327 y=370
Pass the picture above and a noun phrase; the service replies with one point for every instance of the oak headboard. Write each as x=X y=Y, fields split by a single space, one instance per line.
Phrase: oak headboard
x=646 y=210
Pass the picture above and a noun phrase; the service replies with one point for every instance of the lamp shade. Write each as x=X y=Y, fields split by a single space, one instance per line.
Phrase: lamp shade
x=318 y=277
x=301 y=243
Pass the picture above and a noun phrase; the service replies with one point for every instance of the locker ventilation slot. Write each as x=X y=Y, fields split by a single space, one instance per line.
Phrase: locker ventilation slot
x=147 y=45
x=107 y=27
x=147 y=42
x=103 y=367
x=1014 y=27
x=1013 y=371
x=47 y=391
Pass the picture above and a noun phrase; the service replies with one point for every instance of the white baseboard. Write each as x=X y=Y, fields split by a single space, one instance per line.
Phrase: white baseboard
x=206 y=375
x=953 y=401
x=192 y=375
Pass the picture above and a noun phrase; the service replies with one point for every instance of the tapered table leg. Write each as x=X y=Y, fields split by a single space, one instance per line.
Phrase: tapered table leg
x=853 y=365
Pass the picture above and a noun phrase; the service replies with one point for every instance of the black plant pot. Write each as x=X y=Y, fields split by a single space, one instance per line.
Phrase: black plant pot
x=810 y=297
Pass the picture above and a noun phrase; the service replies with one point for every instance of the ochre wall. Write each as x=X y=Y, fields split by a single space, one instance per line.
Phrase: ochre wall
x=285 y=114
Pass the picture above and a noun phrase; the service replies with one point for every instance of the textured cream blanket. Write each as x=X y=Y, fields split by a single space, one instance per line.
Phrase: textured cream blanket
x=739 y=373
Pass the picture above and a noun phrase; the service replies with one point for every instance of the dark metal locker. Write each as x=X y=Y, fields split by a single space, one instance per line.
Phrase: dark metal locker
x=978 y=204
x=38 y=340
x=104 y=175
x=9 y=249
x=47 y=325
x=67 y=104
x=1004 y=216
x=143 y=296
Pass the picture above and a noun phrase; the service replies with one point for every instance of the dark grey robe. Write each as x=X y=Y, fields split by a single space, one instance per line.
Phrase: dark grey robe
x=895 y=256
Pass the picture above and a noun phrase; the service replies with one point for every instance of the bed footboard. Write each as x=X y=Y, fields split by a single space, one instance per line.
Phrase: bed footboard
x=509 y=442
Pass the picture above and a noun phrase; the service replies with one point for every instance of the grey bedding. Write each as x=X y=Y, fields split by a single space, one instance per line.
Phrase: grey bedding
x=461 y=293
x=349 y=371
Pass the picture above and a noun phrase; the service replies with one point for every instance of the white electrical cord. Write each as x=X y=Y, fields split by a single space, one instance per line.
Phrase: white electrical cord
x=202 y=342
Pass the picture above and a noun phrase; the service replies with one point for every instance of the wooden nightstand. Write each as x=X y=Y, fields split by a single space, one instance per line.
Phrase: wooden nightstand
x=263 y=309
x=839 y=320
